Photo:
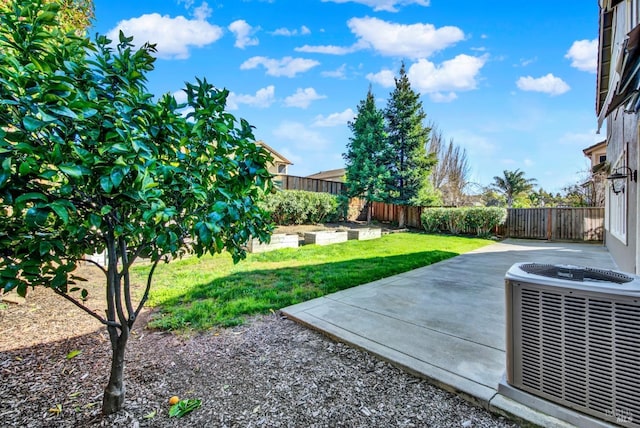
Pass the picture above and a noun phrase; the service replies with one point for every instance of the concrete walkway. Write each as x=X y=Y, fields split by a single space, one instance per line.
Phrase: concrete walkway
x=446 y=321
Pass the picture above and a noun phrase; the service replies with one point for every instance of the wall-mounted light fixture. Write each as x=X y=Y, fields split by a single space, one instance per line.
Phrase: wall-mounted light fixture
x=619 y=177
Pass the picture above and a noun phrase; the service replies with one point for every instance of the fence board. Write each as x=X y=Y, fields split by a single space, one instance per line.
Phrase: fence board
x=293 y=182
x=560 y=224
x=556 y=224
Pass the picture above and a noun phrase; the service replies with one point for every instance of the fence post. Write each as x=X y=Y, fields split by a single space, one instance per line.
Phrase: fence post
x=549 y=221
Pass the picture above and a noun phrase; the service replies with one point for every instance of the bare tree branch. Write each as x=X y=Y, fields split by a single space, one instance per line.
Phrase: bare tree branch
x=86 y=309
x=96 y=264
x=145 y=296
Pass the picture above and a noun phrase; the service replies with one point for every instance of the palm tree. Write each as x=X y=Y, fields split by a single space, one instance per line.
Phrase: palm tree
x=513 y=183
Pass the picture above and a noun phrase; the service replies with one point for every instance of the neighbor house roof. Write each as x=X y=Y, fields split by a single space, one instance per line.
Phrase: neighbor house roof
x=326 y=175
x=595 y=147
x=276 y=156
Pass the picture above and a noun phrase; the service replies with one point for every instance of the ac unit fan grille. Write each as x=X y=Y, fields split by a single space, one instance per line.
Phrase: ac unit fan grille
x=574 y=273
x=582 y=351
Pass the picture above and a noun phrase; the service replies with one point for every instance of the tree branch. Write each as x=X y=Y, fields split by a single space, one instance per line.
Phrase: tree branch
x=145 y=296
x=111 y=277
x=125 y=274
x=86 y=309
x=96 y=264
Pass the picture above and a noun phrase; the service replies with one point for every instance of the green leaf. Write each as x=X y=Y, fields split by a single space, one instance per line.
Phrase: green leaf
x=73 y=354
x=89 y=112
x=36 y=217
x=32 y=124
x=74 y=171
x=60 y=211
x=63 y=111
x=45 y=247
x=106 y=184
x=184 y=407
x=95 y=220
x=10 y=284
x=25 y=168
x=31 y=196
x=116 y=176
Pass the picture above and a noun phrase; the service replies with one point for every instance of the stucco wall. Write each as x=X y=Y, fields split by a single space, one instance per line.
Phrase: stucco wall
x=622 y=132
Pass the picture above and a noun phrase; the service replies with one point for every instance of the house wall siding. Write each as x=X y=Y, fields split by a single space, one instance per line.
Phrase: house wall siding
x=622 y=130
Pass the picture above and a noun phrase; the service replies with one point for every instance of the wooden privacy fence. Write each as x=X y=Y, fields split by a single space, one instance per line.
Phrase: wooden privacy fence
x=292 y=182
x=391 y=213
x=555 y=224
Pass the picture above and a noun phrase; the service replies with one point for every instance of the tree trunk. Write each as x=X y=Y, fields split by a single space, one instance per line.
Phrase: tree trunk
x=114 y=392
x=369 y=209
x=402 y=216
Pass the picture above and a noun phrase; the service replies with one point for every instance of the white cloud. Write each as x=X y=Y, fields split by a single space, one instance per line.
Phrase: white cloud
x=334 y=119
x=524 y=62
x=302 y=138
x=439 y=97
x=304 y=30
x=339 y=73
x=330 y=49
x=401 y=40
x=173 y=36
x=302 y=98
x=548 y=84
x=475 y=143
x=187 y=3
x=442 y=81
x=263 y=98
x=243 y=32
x=286 y=66
x=391 y=39
x=202 y=12
x=386 y=5
x=384 y=78
x=455 y=75
x=180 y=96
x=584 y=55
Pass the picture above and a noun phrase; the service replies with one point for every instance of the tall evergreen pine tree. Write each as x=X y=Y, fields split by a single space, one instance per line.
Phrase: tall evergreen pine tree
x=409 y=164
x=367 y=154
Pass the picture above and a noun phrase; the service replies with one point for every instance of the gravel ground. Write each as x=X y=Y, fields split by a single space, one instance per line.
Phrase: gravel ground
x=271 y=372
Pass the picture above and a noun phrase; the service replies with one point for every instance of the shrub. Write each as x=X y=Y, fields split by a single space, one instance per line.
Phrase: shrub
x=300 y=207
x=483 y=219
x=435 y=220
x=478 y=220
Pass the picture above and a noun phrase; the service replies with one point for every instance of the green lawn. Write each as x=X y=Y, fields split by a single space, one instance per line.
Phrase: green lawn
x=212 y=291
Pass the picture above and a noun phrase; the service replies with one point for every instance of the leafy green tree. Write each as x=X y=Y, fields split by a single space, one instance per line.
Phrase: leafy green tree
x=513 y=184
x=491 y=198
x=409 y=163
x=367 y=154
x=73 y=15
x=90 y=162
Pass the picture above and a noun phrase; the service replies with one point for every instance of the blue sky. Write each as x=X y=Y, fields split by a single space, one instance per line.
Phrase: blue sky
x=511 y=82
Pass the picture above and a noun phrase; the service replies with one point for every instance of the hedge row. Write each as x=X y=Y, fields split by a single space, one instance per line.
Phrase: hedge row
x=478 y=220
x=302 y=207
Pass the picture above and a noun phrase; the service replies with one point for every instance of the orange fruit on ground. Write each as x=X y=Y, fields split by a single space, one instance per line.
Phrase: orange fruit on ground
x=174 y=400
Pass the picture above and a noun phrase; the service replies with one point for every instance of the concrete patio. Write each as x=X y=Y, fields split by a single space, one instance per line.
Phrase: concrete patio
x=446 y=322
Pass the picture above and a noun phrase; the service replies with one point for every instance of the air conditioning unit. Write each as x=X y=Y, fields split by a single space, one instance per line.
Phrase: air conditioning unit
x=573 y=338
